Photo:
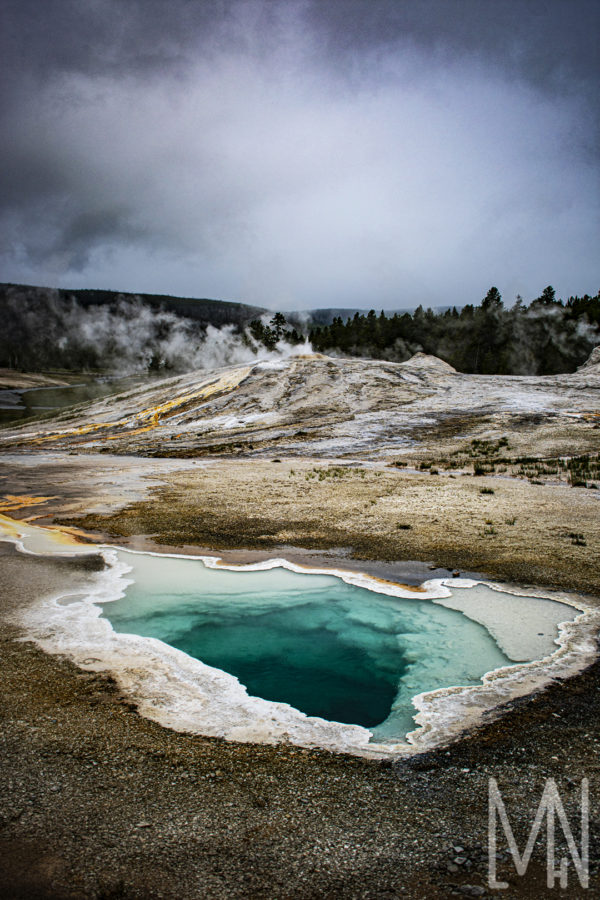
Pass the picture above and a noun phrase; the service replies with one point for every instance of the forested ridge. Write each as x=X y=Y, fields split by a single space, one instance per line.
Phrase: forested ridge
x=87 y=330
x=45 y=329
x=546 y=337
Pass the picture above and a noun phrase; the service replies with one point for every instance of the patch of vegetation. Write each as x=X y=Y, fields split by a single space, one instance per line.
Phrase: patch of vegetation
x=486 y=490
x=270 y=335
x=581 y=469
x=403 y=526
x=334 y=472
x=578 y=471
x=483 y=448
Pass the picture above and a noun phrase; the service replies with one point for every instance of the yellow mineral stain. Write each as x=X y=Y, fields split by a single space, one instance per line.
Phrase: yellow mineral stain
x=40 y=539
x=129 y=433
x=75 y=432
x=74 y=532
x=11 y=502
x=153 y=414
x=9 y=527
x=415 y=589
x=224 y=384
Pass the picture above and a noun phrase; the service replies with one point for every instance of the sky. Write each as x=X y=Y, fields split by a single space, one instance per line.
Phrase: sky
x=301 y=154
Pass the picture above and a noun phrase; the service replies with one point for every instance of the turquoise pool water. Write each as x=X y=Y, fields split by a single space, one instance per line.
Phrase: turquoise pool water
x=327 y=648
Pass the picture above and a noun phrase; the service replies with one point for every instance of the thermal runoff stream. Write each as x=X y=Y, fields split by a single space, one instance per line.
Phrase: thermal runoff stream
x=327 y=648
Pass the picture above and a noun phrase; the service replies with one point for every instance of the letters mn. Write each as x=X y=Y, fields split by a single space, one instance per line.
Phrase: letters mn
x=551 y=806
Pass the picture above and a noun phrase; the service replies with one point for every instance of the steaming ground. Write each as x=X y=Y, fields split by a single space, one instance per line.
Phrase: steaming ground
x=312 y=405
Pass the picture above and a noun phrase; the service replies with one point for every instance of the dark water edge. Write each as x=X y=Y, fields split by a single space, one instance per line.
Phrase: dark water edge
x=19 y=405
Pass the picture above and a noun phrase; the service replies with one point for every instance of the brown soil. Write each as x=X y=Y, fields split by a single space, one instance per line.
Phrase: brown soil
x=521 y=532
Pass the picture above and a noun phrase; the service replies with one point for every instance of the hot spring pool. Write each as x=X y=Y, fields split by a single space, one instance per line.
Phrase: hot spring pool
x=329 y=649
x=274 y=652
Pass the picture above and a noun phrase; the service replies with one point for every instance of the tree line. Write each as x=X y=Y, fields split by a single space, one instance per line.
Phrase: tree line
x=547 y=337
x=46 y=329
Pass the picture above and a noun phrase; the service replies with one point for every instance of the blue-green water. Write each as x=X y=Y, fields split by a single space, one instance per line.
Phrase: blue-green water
x=327 y=648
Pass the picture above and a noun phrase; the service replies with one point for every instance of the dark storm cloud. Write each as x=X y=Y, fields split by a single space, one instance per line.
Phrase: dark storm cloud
x=551 y=44
x=301 y=153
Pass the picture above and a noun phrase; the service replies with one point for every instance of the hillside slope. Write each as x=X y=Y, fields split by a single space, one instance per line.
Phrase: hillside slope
x=315 y=405
x=83 y=330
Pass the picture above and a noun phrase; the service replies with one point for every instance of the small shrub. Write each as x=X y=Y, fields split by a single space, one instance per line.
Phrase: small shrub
x=403 y=526
x=486 y=491
x=511 y=521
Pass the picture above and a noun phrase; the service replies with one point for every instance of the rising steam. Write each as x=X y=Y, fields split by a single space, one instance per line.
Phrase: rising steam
x=47 y=330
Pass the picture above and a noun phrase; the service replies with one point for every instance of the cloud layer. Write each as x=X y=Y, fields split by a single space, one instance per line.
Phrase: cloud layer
x=297 y=154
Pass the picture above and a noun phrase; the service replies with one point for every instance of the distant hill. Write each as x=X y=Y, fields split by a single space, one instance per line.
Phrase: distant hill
x=201 y=310
x=47 y=329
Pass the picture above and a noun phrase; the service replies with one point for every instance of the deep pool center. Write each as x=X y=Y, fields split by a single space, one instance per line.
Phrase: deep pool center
x=332 y=650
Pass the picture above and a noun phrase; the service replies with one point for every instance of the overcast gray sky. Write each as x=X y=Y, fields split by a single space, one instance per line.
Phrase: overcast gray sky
x=297 y=154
